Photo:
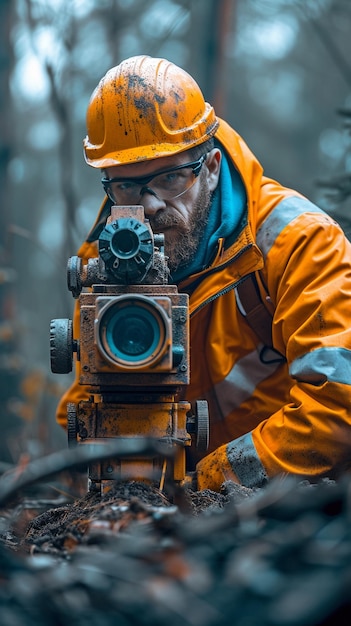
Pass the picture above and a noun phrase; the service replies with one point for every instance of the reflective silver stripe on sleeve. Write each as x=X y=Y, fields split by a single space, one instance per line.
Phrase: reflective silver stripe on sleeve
x=285 y=212
x=244 y=460
x=242 y=380
x=323 y=364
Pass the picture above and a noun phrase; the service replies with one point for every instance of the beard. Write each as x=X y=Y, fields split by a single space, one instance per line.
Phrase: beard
x=181 y=243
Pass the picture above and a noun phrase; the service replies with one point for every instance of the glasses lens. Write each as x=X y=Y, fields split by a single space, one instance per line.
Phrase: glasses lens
x=172 y=184
x=124 y=192
x=166 y=186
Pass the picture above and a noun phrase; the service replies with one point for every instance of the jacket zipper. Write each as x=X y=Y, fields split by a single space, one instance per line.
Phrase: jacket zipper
x=229 y=287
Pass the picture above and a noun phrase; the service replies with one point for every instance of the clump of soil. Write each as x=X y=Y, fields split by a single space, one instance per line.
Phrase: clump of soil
x=60 y=530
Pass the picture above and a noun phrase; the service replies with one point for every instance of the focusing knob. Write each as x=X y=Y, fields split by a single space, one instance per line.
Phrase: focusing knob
x=202 y=425
x=61 y=346
x=72 y=425
x=74 y=273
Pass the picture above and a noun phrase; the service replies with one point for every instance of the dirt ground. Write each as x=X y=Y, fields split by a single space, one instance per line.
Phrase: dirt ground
x=59 y=531
x=278 y=556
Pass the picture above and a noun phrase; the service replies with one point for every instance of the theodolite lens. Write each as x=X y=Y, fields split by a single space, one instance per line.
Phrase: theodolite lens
x=125 y=244
x=127 y=250
x=133 y=332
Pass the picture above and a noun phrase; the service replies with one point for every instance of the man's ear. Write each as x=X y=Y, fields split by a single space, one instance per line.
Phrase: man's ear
x=213 y=164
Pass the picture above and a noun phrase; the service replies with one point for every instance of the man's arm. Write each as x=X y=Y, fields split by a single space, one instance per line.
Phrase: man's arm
x=308 y=274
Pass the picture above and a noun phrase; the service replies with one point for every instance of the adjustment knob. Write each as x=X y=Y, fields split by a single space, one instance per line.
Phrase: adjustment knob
x=61 y=346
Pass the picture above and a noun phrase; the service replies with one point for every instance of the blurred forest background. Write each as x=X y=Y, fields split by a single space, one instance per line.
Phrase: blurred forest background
x=279 y=71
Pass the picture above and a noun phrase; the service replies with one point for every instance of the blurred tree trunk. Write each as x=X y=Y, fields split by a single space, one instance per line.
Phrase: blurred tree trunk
x=62 y=109
x=211 y=27
x=61 y=103
x=10 y=362
x=6 y=147
x=5 y=122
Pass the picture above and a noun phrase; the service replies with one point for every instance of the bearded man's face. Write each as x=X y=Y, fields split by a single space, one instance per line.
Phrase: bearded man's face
x=183 y=218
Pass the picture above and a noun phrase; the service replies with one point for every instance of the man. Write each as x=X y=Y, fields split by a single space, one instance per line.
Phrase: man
x=268 y=274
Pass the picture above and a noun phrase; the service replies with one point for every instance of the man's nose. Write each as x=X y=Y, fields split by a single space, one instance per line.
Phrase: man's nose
x=150 y=201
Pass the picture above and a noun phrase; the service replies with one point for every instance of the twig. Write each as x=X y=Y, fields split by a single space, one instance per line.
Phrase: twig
x=64 y=460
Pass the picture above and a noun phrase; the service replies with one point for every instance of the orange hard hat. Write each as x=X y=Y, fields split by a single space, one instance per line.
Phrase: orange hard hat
x=145 y=108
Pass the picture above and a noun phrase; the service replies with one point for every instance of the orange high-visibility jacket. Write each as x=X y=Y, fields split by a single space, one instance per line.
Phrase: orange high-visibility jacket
x=280 y=416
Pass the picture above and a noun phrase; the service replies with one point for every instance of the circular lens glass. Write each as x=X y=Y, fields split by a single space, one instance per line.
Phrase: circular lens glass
x=125 y=244
x=132 y=332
